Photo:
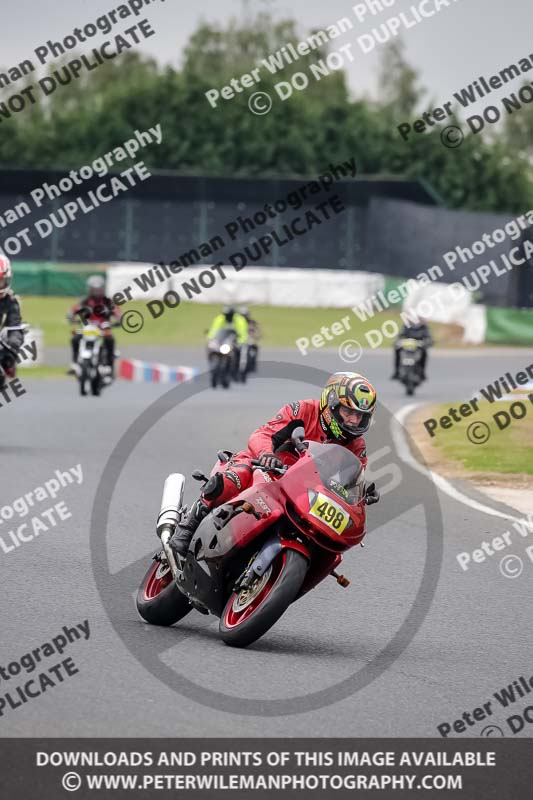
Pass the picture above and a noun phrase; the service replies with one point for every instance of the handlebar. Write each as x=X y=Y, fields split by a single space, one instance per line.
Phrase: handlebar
x=297 y=438
x=278 y=470
x=23 y=327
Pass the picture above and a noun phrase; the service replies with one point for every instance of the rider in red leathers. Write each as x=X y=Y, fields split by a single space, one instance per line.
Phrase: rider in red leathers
x=342 y=415
x=97 y=308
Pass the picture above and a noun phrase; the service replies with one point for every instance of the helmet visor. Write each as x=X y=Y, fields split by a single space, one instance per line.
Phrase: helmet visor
x=352 y=421
x=4 y=283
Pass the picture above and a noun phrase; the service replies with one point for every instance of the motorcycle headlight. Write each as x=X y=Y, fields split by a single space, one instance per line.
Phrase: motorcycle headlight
x=225 y=349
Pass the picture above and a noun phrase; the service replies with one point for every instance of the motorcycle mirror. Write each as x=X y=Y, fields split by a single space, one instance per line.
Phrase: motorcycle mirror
x=199 y=476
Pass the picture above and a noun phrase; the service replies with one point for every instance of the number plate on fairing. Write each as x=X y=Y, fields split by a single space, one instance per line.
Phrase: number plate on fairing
x=330 y=513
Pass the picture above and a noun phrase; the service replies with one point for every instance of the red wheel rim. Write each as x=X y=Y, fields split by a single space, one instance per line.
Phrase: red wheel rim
x=156 y=582
x=232 y=618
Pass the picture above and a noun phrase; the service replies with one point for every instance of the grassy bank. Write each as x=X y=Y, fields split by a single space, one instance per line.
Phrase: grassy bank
x=186 y=324
x=507 y=451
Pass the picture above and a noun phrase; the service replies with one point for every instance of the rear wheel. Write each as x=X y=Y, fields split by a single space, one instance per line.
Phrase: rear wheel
x=250 y=613
x=159 y=601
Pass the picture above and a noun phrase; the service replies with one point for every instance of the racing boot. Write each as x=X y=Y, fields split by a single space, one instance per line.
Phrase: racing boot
x=184 y=532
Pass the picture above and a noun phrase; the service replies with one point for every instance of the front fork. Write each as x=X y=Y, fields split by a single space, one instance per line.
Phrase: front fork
x=271 y=548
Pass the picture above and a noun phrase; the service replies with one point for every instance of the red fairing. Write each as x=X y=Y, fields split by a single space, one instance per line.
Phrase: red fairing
x=308 y=411
x=296 y=484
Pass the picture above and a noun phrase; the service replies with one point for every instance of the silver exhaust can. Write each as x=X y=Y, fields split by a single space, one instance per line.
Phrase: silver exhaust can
x=171 y=502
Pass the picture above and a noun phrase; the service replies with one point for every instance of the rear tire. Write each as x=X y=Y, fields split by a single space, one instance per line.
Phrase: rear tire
x=159 y=601
x=242 y=627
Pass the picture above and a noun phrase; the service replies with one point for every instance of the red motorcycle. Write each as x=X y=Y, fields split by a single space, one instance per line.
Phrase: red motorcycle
x=252 y=557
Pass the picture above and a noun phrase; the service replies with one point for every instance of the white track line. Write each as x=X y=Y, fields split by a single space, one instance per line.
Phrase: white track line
x=404 y=452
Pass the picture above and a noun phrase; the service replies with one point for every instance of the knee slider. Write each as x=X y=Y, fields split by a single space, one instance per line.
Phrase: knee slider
x=214 y=486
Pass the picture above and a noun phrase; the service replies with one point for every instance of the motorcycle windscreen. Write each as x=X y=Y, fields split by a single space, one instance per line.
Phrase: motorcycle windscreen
x=340 y=471
x=225 y=336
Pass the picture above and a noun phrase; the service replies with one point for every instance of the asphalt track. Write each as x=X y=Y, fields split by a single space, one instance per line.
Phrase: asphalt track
x=476 y=638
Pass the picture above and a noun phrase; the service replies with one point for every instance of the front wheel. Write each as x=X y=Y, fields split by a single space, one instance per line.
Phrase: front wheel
x=96 y=384
x=250 y=613
x=214 y=366
x=225 y=372
x=159 y=601
x=84 y=378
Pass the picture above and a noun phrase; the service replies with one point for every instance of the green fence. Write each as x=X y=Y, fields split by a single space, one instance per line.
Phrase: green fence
x=509 y=326
x=42 y=278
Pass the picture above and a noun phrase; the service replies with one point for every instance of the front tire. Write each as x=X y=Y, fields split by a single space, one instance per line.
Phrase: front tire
x=84 y=377
x=159 y=601
x=96 y=385
x=247 y=617
x=214 y=364
x=225 y=372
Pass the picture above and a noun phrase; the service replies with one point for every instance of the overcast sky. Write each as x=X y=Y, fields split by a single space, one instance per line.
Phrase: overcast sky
x=468 y=39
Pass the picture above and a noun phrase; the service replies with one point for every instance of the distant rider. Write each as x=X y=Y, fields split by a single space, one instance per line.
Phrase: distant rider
x=10 y=317
x=417 y=330
x=96 y=308
x=341 y=416
x=229 y=319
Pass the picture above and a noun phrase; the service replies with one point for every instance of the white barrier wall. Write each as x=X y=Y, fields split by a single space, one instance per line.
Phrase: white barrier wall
x=450 y=304
x=309 y=288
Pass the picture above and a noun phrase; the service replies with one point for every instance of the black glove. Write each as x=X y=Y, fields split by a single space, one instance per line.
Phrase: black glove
x=270 y=461
x=371 y=494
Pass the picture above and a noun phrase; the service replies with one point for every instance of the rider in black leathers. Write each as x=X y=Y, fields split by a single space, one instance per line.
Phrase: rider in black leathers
x=420 y=331
x=10 y=317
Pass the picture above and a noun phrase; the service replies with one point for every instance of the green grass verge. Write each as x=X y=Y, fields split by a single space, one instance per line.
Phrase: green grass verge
x=42 y=372
x=186 y=324
x=507 y=451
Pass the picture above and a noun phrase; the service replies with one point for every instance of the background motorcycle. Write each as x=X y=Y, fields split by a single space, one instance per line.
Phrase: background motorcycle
x=252 y=355
x=9 y=372
x=221 y=356
x=93 y=371
x=410 y=370
x=247 y=361
x=252 y=557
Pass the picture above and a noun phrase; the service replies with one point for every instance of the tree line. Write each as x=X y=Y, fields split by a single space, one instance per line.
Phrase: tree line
x=324 y=123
